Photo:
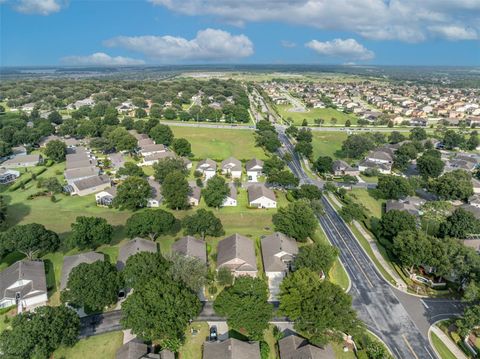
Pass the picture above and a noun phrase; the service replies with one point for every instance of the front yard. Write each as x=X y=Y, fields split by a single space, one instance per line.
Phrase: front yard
x=100 y=346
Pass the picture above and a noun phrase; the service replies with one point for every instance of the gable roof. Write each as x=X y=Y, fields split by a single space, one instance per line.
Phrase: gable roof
x=33 y=272
x=232 y=164
x=272 y=246
x=240 y=247
x=91 y=182
x=196 y=192
x=22 y=159
x=207 y=165
x=257 y=191
x=254 y=163
x=81 y=172
x=233 y=191
x=132 y=350
x=231 y=349
x=296 y=347
x=191 y=247
x=156 y=189
x=133 y=247
x=70 y=262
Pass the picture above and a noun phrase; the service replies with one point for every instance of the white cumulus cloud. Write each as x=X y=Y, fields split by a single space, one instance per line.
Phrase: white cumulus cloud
x=405 y=20
x=348 y=49
x=209 y=44
x=37 y=7
x=100 y=59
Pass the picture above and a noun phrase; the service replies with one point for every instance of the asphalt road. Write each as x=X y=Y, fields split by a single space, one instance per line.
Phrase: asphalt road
x=399 y=319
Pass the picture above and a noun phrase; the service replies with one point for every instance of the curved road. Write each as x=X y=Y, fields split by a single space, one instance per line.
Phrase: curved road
x=401 y=320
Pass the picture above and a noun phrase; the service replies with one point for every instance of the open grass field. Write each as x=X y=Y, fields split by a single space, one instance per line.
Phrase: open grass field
x=219 y=144
x=100 y=346
x=315 y=113
x=363 y=197
x=441 y=348
x=327 y=143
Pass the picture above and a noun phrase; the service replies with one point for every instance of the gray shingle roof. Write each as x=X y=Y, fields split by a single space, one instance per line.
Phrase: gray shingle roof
x=272 y=247
x=239 y=247
x=254 y=163
x=192 y=247
x=22 y=159
x=233 y=191
x=91 y=182
x=70 y=262
x=231 y=349
x=132 y=350
x=31 y=271
x=295 y=347
x=257 y=191
x=132 y=247
x=231 y=164
x=207 y=165
x=196 y=192
x=81 y=172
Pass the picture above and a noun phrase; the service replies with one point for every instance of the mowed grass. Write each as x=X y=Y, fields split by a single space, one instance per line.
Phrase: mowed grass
x=100 y=346
x=326 y=114
x=441 y=348
x=327 y=143
x=192 y=348
x=219 y=144
x=363 y=197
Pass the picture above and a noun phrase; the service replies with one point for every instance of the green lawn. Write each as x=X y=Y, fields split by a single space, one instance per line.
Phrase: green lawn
x=363 y=197
x=441 y=348
x=192 y=348
x=327 y=143
x=219 y=144
x=100 y=346
x=314 y=113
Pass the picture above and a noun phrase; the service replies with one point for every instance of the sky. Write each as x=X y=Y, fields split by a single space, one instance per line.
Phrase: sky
x=151 y=32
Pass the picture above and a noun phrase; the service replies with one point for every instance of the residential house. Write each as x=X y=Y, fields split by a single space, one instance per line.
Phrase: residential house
x=135 y=349
x=117 y=161
x=231 y=199
x=70 y=262
x=260 y=196
x=208 y=168
x=237 y=253
x=463 y=162
x=90 y=185
x=150 y=160
x=195 y=195
x=77 y=174
x=156 y=197
x=8 y=176
x=19 y=151
x=147 y=150
x=105 y=198
x=233 y=167
x=412 y=205
x=254 y=169
x=384 y=168
x=342 y=168
x=23 y=284
x=231 y=349
x=296 y=347
x=133 y=247
x=23 y=161
x=278 y=253
x=191 y=247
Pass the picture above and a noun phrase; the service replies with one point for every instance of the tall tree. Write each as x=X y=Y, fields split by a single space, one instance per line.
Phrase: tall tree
x=122 y=140
x=393 y=187
x=323 y=164
x=32 y=240
x=161 y=134
x=132 y=194
x=175 y=189
x=93 y=286
x=189 y=270
x=245 y=304
x=412 y=248
x=453 y=185
x=182 y=147
x=142 y=267
x=297 y=220
x=321 y=310
x=430 y=166
x=151 y=223
x=215 y=191
x=203 y=223
x=168 y=165
x=318 y=257
x=90 y=232
x=460 y=224
x=37 y=334
x=56 y=150
x=395 y=221
x=418 y=134
x=131 y=169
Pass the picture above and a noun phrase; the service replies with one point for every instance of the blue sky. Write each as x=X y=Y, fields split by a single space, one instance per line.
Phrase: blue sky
x=394 y=32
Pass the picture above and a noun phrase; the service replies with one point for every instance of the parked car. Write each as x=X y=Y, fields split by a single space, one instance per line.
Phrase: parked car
x=213 y=333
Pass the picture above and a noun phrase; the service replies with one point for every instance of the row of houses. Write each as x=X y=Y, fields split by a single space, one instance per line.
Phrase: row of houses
x=231 y=167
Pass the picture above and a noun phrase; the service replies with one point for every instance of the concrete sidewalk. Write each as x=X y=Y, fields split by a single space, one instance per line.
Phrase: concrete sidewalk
x=448 y=342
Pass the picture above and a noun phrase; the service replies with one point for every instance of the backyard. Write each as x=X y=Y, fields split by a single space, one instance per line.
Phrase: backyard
x=312 y=114
x=104 y=346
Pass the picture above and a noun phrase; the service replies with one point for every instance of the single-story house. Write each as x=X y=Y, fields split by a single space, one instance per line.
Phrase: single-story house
x=117 y=161
x=77 y=174
x=233 y=167
x=133 y=247
x=296 y=347
x=384 y=168
x=278 y=252
x=105 y=198
x=23 y=284
x=381 y=155
x=90 y=185
x=70 y=262
x=135 y=349
x=207 y=167
x=231 y=199
x=156 y=199
x=261 y=197
x=342 y=168
x=237 y=253
x=254 y=169
x=151 y=149
x=191 y=247
x=150 y=160
x=412 y=205
x=23 y=161
x=8 y=176
x=195 y=195
x=231 y=349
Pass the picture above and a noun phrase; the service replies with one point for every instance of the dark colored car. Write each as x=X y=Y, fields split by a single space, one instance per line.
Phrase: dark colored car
x=213 y=333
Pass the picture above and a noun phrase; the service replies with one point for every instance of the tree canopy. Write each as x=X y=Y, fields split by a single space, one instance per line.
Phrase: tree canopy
x=430 y=166
x=203 y=223
x=182 y=147
x=297 y=220
x=452 y=185
x=143 y=266
x=189 y=270
x=245 y=304
x=215 y=191
x=151 y=223
x=131 y=169
x=168 y=165
x=393 y=187
x=133 y=193
x=460 y=224
x=90 y=232
x=395 y=221
x=161 y=134
x=318 y=257
x=175 y=190
x=56 y=150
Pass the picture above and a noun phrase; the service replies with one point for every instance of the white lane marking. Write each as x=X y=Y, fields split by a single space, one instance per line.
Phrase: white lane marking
x=425 y=304
x=409 y=346
x=428 y=351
